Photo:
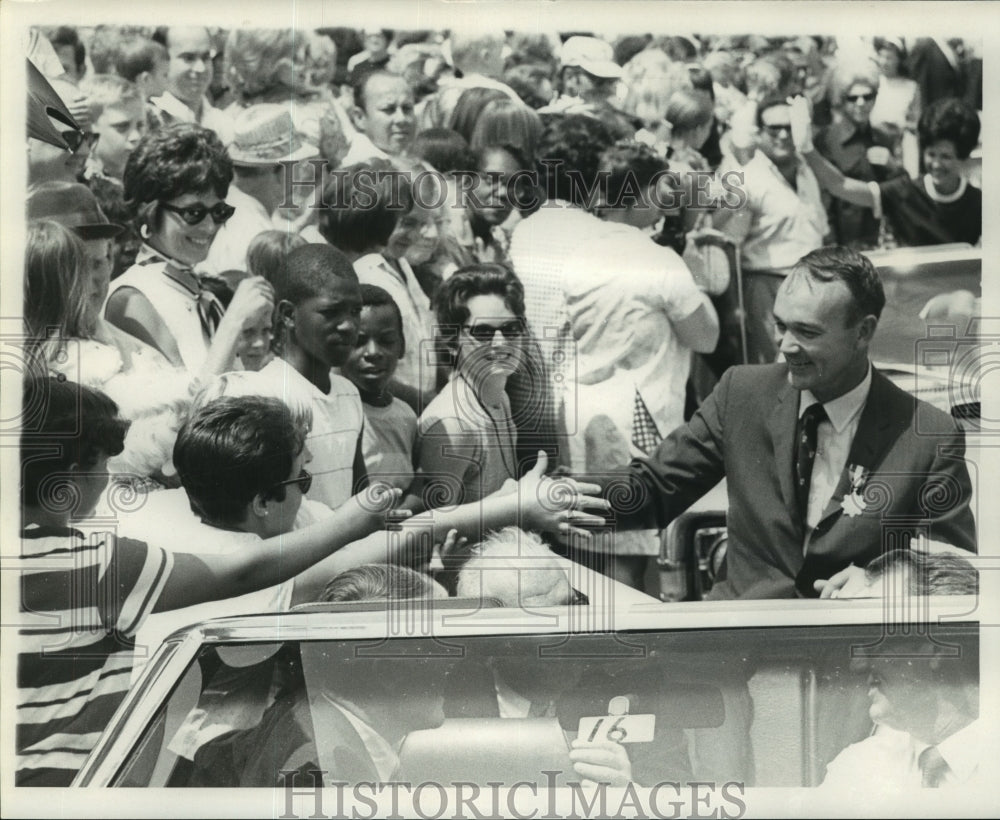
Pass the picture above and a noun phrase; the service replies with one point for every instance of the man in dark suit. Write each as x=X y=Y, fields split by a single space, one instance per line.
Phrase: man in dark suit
x=811 y=489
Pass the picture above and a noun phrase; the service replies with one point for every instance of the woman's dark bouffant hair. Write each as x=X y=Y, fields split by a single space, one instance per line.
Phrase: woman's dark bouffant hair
x=180 y=159
x=474 y=280
x=950 y=119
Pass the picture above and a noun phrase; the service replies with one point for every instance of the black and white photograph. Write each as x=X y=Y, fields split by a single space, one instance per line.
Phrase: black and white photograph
x=498 y=409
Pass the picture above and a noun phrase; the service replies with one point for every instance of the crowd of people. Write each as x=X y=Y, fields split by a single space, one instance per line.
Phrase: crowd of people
x=283 y=283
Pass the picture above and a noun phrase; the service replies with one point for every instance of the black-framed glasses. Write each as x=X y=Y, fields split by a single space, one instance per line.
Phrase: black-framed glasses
x=776 y=130
x=856 y=98
x=195 y=214
x=304 y=480
x=483 y=332
x=75 y=140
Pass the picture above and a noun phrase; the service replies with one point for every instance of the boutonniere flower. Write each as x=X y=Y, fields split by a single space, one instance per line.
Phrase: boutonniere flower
x=853 y=503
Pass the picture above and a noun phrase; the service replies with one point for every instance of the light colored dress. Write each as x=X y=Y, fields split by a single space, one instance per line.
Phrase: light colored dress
x=465 y=451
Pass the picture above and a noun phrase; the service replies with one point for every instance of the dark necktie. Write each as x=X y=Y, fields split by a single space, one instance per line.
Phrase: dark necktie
x=645 y=434
x=805 y=454
x=933 y=767
x=210 y=310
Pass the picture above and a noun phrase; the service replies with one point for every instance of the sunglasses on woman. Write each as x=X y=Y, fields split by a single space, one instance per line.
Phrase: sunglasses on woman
x=483 y=332
x=856 y=98
x=304 y=480
x=195 y=214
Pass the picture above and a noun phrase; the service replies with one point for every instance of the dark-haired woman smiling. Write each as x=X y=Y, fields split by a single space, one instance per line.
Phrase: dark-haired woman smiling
x=176 y=182
x=938 y=207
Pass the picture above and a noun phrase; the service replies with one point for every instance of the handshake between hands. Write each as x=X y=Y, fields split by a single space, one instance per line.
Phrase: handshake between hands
x=537 y=502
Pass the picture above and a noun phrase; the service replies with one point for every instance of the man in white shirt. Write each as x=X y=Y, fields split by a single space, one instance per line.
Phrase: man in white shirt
x=188 y=78
x=383 y=114
x=783 y=219
x=928 y=734
x=264 y=138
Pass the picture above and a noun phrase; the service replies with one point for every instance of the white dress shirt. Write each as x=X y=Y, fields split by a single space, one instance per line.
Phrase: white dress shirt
x=780 y=224
x=889 y=761
x=834 y=437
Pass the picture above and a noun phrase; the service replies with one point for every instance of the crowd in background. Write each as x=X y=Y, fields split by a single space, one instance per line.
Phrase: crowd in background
x=285 y=264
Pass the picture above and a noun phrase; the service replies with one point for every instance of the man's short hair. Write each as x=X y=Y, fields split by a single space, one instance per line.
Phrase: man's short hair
x=629 y=163
x=569 y=152
x=374 y=296
x=380 y=582
x=363 y=204
x=308 y=270
x=233 y=449
x=837 y=263
x=138 y=54
x=109 y=91
x=927 y=573
x=515 y=567
x=62 y=424
x=365 y=77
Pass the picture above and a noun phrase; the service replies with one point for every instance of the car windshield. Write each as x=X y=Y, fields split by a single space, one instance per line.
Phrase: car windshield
x=686 y=705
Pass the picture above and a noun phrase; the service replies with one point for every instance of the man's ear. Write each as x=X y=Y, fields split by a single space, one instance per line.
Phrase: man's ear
x=867 y=328
x=285 y=313
x=358 y=118
x=258 y=506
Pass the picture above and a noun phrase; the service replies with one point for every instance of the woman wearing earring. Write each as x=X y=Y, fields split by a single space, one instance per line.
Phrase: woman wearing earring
x=466 y=436
x=176 y=181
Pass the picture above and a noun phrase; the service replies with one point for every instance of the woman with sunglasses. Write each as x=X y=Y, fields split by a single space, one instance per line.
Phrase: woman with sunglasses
x=176 y=183
x=466 y=435
x=940 y=206
x=858 y=150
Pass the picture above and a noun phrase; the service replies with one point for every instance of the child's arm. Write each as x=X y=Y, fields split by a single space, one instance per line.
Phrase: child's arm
x=253 y=297
x=198 y=578
x=537 y=502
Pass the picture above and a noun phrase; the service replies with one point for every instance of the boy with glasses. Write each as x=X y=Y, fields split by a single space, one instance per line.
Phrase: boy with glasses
x=85 y=592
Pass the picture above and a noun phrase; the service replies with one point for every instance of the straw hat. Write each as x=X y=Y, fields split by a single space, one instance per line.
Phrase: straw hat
x=266 y=135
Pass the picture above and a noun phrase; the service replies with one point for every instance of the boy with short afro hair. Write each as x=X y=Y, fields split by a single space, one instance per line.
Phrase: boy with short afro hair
x=390 y=432
x=318 y=306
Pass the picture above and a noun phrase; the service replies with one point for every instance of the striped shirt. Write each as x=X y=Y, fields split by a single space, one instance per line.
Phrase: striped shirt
x=82 y=600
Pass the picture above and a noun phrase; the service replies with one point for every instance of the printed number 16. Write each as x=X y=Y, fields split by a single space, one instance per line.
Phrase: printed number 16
x=616 y=731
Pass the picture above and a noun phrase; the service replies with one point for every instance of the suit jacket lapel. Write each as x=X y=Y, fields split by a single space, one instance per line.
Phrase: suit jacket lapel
x=873 y=438
x=782 y=428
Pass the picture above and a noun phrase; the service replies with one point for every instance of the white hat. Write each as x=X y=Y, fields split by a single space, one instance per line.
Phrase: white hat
x=592 y=55
x=265 y=135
